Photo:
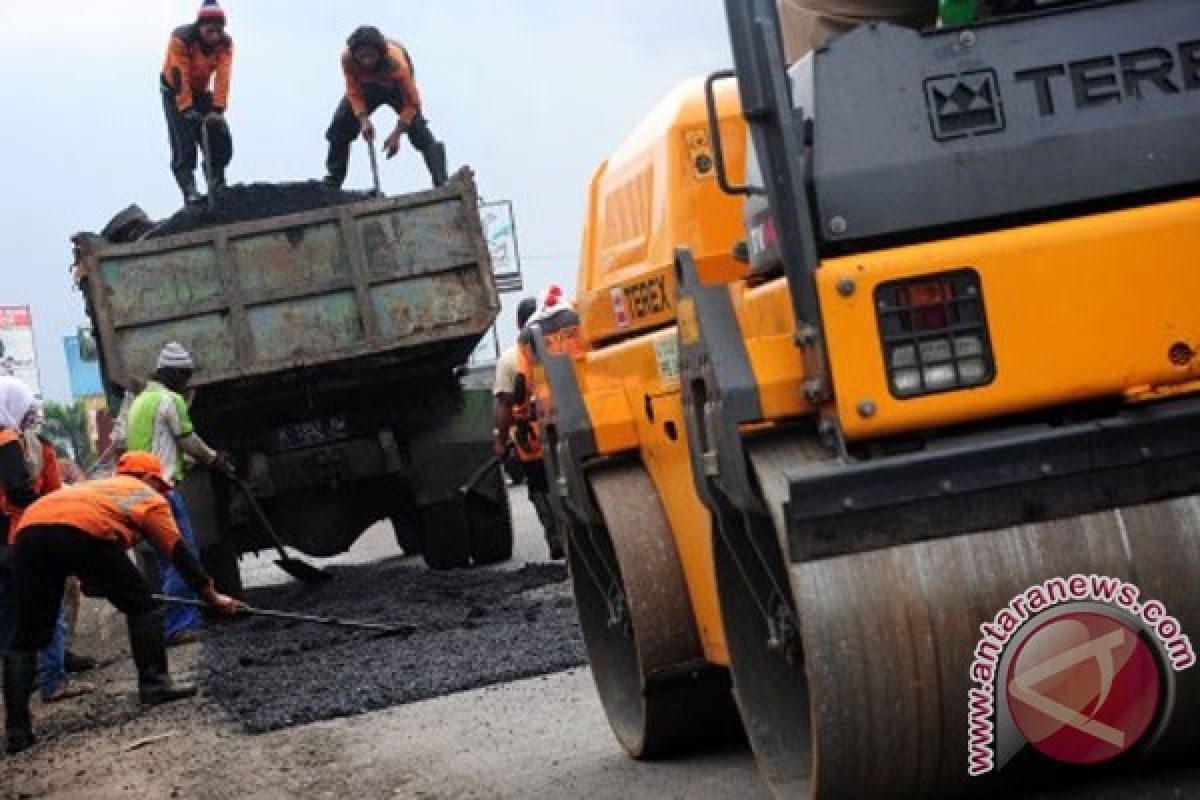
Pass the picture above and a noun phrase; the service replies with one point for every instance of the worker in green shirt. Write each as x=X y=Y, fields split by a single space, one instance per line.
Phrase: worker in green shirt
x=158 y=422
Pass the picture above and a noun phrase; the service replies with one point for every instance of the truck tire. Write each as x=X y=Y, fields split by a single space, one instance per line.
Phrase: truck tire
x=446 y=535
x=407 y=533
x=491 y=523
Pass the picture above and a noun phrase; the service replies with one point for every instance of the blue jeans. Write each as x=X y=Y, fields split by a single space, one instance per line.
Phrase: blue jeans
x=52 y=671
x=179 y=618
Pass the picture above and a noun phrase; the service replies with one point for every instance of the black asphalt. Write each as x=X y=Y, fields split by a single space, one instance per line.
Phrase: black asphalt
x=472 y=629
x=245 y=202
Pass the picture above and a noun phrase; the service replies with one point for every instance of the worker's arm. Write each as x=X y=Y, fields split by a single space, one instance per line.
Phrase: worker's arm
x=157 y=525
x=354 y=90
x=412 y=96
x=14 y=476
x=223 y=76
x=503 y=418
x=179 y=422
x=176 y=72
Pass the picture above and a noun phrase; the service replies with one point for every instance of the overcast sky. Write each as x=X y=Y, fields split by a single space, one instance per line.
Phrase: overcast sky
x=531 y=93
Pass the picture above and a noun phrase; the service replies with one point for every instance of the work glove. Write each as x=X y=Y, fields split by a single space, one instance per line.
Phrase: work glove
x=368 y=129
x=223 y=464
x=391 y=145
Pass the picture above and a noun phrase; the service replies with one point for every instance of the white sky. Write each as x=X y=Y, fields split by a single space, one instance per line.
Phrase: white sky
x=532 y=94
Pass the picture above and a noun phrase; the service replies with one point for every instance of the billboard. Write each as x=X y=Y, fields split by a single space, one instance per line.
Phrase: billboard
x=83 y=369
x=500 y=229
x=17 y=355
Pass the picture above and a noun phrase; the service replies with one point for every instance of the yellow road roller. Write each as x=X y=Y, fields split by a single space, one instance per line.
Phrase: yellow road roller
x=884 y=349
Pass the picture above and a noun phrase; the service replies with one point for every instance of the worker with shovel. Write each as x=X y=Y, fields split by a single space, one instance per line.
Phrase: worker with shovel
x=379 y=72
x=199 y=56
x=158 y=422
x=85 y=530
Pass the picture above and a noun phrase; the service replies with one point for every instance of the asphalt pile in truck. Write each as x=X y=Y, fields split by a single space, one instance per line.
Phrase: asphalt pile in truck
x=246 y=202
x=473 y=629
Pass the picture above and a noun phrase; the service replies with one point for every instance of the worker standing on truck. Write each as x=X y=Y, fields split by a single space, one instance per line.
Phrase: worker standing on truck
x=379 y=72
x=84 y=530
x=158 y=422
x=514 y=426
x=195 y=94
x=807 y=24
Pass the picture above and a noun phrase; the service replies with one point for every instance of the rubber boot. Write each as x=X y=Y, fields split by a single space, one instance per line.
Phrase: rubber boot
x=337 y=163
x=435 y=160
x=20 y=671
x=146 y=638
x=187 y=184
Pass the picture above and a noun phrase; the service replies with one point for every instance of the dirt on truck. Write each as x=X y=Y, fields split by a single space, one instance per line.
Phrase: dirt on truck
x=331 y=332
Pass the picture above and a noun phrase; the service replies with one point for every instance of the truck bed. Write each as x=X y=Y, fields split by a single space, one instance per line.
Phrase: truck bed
x=374 y=284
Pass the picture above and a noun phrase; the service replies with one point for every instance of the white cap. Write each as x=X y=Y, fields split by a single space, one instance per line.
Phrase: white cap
x=174 y=356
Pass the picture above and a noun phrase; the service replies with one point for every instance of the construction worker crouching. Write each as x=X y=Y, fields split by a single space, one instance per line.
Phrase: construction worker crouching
x=199 y=55
x=85 y=531
x=379 y=72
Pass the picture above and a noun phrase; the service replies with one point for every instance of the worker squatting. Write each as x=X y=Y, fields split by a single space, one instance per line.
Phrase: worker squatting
x=196 y=80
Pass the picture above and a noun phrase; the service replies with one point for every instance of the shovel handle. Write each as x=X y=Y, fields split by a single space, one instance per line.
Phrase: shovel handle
x=208 y=179
x=374 y=167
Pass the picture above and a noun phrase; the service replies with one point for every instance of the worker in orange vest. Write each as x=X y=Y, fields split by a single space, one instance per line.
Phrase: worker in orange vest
x=85 y=530
x=195 y=92
x=29 y=461
x=379 y=71
x=557 y=324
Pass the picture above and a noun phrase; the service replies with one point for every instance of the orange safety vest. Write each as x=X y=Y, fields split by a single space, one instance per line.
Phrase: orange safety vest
x=561 y=336
x=120 y=509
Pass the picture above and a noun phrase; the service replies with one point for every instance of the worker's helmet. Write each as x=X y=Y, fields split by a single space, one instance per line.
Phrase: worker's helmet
x=367 y=36
x=140 y=464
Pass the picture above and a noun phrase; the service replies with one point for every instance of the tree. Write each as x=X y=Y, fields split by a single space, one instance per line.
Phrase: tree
x=67 y=426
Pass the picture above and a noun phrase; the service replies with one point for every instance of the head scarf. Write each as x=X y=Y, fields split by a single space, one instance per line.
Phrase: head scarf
x=16 y=400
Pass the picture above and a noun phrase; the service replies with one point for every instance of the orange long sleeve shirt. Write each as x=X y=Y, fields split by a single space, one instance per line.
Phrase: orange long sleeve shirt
x=394 y=72
x=121 y=509
x=190 y=68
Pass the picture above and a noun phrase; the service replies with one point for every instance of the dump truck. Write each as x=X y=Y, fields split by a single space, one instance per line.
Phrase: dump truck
x=330 y=350
x=902 y=338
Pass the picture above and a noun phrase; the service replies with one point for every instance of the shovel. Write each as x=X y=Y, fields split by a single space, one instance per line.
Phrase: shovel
x=300 y=570
x=376 y=627
x=374 y=167
x=208 y=175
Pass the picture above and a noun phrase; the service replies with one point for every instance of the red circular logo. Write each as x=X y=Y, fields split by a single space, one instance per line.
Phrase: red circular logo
x=1084 y=688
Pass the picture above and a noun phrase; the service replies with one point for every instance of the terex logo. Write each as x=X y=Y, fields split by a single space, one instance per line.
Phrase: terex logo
x=1110 y=79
